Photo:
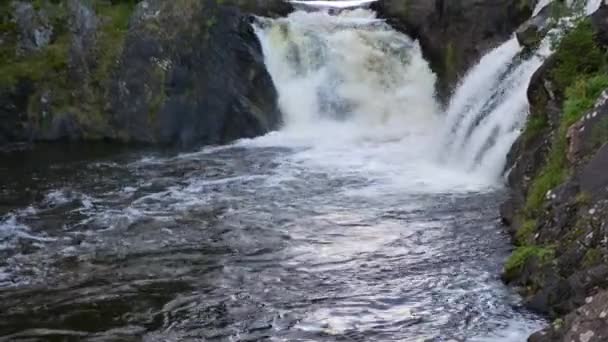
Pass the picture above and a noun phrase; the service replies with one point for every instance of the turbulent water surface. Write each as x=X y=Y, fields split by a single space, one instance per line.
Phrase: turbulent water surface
x=370 y=216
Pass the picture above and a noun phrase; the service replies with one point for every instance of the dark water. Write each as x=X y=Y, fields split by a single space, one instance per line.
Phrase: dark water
x=245 y=243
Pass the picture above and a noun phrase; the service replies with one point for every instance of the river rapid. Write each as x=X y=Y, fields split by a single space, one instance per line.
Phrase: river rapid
x=252 y=242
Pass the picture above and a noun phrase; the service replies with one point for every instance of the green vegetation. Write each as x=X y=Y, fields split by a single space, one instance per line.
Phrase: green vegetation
x=592 y=257
x=48 y=62
x=521 y=255
x=35 y=66
x=535 y=125
x=580 y=74
x=49 y=70
x=525 y=233
x=578 y=56
x=111 y=40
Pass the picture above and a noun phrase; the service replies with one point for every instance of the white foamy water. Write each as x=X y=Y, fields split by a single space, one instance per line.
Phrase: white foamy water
x=488 y=110
x=359 y=97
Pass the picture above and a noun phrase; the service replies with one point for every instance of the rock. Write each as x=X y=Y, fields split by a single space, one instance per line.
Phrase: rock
x=455 y=34
x=593 y=178
x=34 y=28
x=84 y=25
x=185 y=73
x=530 y=33
x=589 y=323
x=587 y=135
x=202 y=81
x=13 y=113
x=600 y=23
x=266 y=8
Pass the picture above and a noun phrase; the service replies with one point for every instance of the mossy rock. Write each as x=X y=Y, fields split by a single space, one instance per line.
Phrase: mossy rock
x=522 y=256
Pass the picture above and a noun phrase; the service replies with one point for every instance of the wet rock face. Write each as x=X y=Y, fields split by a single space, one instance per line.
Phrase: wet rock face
x=202 y=81
x=455 y=34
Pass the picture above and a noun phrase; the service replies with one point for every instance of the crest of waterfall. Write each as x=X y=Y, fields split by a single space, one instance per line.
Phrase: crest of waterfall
x=348 y=75
x=489 y=108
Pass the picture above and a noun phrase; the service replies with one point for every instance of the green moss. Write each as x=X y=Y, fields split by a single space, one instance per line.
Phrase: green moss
x=583 y=198
x=111 y=41
x=551 y=175
x=579 y=72
x=578 y=55
x=48 y=68
x=36 y=67
x=521 y=255
x=592 y=257
x=535 y=125
x=525 y=233
x=582 y=95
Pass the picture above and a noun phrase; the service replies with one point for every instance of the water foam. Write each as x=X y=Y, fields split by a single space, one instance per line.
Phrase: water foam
x=349 y=74
x=488 y=111
x=357 y=92
x=358 y=97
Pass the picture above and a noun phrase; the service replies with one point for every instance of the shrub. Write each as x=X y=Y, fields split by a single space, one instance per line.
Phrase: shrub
x=577 y=55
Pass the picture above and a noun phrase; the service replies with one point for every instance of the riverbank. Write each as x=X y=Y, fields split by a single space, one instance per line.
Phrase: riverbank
x=559 y=189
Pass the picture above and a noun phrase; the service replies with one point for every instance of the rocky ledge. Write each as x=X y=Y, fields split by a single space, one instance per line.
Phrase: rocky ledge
x=178 y=72
x=558 y=209
x=455 y=34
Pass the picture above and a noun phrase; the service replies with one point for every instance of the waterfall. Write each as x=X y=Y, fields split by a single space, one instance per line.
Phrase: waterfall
x=348 y=74
x=343 y=75
x=489 y=108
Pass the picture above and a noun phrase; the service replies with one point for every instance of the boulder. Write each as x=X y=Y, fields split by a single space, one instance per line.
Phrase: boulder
x=530 y=33
x=191 y=72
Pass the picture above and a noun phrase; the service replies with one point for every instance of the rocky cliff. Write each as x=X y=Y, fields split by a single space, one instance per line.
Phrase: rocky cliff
x=185 y=72
x=455 y=34
x=558 y=208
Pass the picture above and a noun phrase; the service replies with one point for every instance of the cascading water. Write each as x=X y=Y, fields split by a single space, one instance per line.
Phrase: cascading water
x=350 y=82
x=490 y=107
x=349 y=72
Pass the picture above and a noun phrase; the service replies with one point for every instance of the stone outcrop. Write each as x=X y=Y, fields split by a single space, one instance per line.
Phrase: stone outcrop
x=203 y=80
x=455 y=34
x=186 y=72
x=558 y=206
x=585 y=324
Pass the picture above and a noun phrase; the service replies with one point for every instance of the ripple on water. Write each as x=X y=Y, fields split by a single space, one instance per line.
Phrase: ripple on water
x=251 y=244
